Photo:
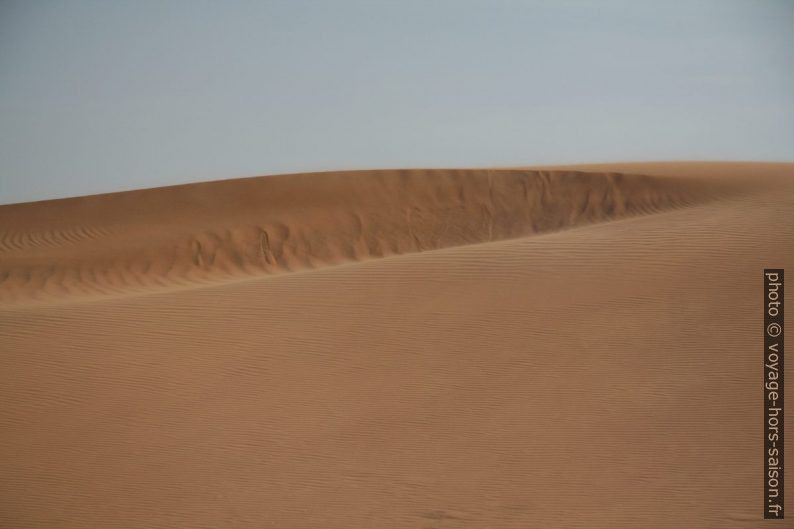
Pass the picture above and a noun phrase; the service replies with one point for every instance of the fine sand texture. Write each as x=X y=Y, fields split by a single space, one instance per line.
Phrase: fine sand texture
x=549 y=347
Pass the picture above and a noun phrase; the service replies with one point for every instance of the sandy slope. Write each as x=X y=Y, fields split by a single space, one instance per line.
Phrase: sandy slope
x=565 y=347
x=176 y=237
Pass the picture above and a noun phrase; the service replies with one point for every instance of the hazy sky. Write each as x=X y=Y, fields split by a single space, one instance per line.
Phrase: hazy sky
x=104 y=95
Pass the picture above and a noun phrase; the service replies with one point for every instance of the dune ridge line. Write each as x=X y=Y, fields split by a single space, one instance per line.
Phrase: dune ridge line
x=180 y=236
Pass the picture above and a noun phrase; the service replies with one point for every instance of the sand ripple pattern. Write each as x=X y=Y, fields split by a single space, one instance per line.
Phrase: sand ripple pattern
x=184 y=236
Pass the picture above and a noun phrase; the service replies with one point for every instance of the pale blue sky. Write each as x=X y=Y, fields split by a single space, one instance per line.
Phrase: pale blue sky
x=100 y=96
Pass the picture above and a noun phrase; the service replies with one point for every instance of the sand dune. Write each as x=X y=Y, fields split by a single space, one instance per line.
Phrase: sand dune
x=105 y=245
x=522 y=348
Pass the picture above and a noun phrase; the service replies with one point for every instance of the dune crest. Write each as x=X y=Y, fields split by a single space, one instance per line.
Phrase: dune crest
x=175 y=237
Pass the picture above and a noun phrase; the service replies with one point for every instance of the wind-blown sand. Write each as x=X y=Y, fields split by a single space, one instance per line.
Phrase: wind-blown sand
x=525 y=348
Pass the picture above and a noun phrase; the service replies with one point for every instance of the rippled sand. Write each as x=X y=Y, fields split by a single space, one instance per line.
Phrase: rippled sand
x=550 y=347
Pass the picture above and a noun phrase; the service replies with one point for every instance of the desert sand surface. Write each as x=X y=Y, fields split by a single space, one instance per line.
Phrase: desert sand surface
x=548 y=347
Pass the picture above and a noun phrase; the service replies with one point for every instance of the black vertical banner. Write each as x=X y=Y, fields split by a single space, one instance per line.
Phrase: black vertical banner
x=773 y=394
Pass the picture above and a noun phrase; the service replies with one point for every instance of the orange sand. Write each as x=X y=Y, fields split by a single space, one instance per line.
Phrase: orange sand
x=516 y=348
